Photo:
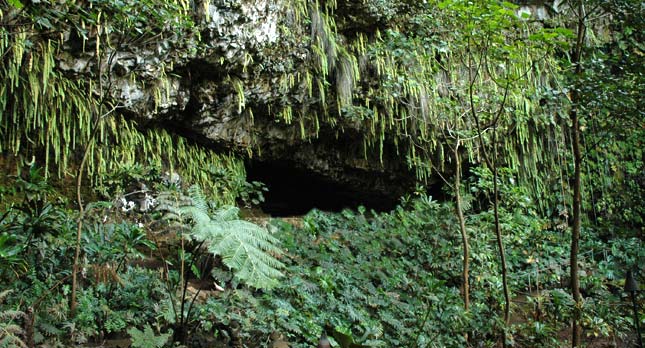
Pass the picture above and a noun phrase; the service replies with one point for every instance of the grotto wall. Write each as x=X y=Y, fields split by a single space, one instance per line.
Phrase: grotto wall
x=224 y=87
x=247 y=79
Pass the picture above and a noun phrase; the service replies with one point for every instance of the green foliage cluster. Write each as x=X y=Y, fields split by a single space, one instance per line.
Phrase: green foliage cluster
x=393 y=280
x=125 y=298
x=37 y=233
x=408 y=83
x=611 y=90
x=147 y=338
x=376 y=281
x=52 y=117
x=10 y=331
x=40 y=107
x=243 y=246
x=390 y=279
x=33 y=229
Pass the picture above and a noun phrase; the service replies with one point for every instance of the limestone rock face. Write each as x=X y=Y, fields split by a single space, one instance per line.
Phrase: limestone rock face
x=220 y=88
x=225 y=84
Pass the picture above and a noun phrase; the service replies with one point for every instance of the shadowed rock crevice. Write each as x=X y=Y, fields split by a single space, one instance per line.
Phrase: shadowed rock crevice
x=295 y=191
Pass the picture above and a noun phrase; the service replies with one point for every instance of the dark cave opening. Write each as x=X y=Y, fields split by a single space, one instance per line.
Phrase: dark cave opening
x=294 y=191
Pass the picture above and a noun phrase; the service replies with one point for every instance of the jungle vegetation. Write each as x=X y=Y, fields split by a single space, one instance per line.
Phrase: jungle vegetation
x=110 y=228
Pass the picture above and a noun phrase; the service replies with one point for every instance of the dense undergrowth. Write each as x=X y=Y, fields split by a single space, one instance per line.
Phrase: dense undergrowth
x=388 y=279
x=166 y=261
x=393 y=280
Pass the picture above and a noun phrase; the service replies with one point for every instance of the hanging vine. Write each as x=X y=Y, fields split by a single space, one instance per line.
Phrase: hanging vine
x=48 y=115
x=404 y=88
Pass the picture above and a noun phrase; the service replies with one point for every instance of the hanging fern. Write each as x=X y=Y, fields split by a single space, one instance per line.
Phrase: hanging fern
x=47 y=115
x=243 y=246
x=409 y=81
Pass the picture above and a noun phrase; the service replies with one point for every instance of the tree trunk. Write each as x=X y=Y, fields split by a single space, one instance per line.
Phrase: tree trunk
x=81 y=210
x=577 y=190
x=79 y=225
x=492 y=165
x=575 y=233
x=498 y=235
x=464 y=233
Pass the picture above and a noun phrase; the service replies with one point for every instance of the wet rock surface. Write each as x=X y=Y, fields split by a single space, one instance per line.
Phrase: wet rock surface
x=220 y=88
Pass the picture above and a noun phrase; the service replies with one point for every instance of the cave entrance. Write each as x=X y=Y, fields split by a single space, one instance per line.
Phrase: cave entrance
x=294 y=191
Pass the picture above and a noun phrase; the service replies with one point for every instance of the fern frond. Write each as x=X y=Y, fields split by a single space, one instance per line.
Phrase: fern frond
x=247 y=232
x=4 y=294
x=256 y=270
x=8 y=340
x=246 y=248
x=49 y=329
x=147 y=338
x=179 y=208
x=11 y=330
x=198 y=199
x=226 y=213
x=199 y=216
x=10 y=314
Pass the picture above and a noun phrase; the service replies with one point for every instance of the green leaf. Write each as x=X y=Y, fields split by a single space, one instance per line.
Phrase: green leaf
x=147 y=338
x=248 y=249
x=196 y=271
x=44 y=22
x=16 y=4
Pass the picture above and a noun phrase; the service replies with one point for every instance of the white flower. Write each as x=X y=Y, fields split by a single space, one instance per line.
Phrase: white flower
x=126 y=205
x=147 y=202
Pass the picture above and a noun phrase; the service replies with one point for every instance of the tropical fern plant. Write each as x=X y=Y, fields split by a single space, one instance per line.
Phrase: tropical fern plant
x=243 y=246
x=147 y=338
x=10 y=331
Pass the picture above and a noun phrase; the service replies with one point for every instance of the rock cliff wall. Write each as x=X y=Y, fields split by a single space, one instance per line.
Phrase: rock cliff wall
x=224 y=86
x=246 y=78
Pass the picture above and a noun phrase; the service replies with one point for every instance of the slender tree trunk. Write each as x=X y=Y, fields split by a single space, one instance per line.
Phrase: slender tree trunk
x=30 y=320
x=81 y=209
x=462 y=228
x=464 y=234
x=79 y=174
x=492 y=164
x=79 y=228
x=575 y=233
x=498 y=235
x=577 y=190
x=79 y=222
